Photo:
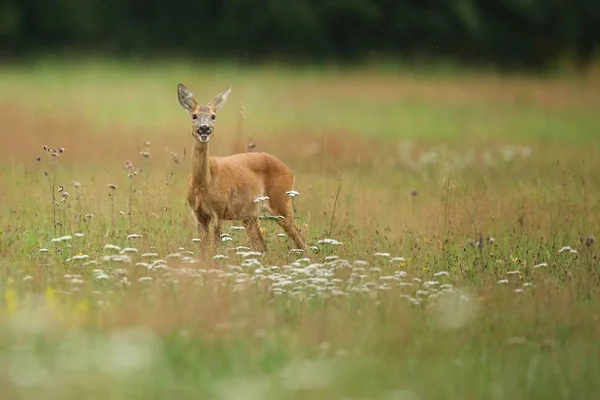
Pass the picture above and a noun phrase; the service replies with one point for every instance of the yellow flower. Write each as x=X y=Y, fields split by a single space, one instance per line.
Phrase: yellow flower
x=12 y=301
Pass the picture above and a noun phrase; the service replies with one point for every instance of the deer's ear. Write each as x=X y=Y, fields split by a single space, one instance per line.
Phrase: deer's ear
x=219 y=100
x=186 y=98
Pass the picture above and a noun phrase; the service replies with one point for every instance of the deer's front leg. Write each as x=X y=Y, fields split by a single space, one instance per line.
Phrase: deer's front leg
x=203 y=226
x=214 y=233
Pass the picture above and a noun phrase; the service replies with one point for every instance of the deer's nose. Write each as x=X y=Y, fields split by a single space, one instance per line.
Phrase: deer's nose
x=204 y=128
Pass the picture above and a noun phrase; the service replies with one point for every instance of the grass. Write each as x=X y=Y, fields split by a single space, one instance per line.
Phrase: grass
x=458 y=197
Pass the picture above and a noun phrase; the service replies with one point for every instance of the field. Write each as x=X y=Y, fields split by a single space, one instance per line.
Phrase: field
x=461 y=211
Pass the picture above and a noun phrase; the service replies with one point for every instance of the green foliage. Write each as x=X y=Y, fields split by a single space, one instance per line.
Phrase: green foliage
x=505 y=33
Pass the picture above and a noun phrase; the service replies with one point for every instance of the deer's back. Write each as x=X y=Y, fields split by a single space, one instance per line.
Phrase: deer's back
x=263 y=164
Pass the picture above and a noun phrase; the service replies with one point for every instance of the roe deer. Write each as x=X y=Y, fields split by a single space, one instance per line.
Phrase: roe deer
x=225 y=188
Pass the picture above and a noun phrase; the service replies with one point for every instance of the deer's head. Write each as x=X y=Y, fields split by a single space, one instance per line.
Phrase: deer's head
x=203 y=116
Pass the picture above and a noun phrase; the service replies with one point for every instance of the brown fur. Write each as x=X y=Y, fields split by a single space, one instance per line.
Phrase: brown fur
x=224 y=188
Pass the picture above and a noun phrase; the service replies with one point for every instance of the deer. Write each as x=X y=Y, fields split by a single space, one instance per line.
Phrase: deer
x=231 y=188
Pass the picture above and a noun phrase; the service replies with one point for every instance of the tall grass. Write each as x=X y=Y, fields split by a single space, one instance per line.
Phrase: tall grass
x=455 y=219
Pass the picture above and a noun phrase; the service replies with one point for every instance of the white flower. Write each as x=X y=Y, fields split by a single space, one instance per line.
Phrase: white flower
x=441 y=273
x=111 y=247
x=292 y=193
x=129 y=250
x=261 y=198
x=503 y=281
x=381 y=254
x=330 y=241
x=134 y=236
x=62 y=239
x=540 y=265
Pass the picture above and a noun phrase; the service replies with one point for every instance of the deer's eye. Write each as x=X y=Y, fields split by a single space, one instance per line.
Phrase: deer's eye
x=213 y=117
x=194 y=116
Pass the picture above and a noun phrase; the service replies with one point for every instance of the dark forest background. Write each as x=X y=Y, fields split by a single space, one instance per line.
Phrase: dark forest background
x=503 y=33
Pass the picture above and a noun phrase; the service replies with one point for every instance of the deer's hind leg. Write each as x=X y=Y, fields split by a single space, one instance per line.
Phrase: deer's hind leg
x=253 y=231
x=281 y=205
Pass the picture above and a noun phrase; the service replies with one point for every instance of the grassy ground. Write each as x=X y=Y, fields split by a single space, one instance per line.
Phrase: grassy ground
x=453 y=198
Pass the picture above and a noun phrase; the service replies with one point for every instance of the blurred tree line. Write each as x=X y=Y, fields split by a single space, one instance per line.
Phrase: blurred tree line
x=504 y=33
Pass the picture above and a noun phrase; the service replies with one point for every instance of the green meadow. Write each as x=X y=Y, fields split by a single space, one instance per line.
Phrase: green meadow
x=453 y=217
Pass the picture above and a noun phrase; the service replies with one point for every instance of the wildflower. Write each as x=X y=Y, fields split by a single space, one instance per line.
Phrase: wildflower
x=237 y=228
x=219 y=257
x=79 y=235
x=62 y=239
x=564 y=249
x=441 y=273
x=146 y=279
x=80 y=257
x=88 y=263
x=281 y=235
x=28 y=278
x=44 y=251
x=398 y=259
x=111 y=247
x=129 y=250
x=381 y=254
x=195 y=240
x=134 y=236
x=226 y=239
x=589 y=241
x=517 y=340
x=541 y=265
x=513 y=272
x=292 y=193
x=503 y=281
x=330 y=241
x=261 y=198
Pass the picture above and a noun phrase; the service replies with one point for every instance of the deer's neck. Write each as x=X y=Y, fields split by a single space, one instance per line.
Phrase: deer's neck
x=200 y=167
